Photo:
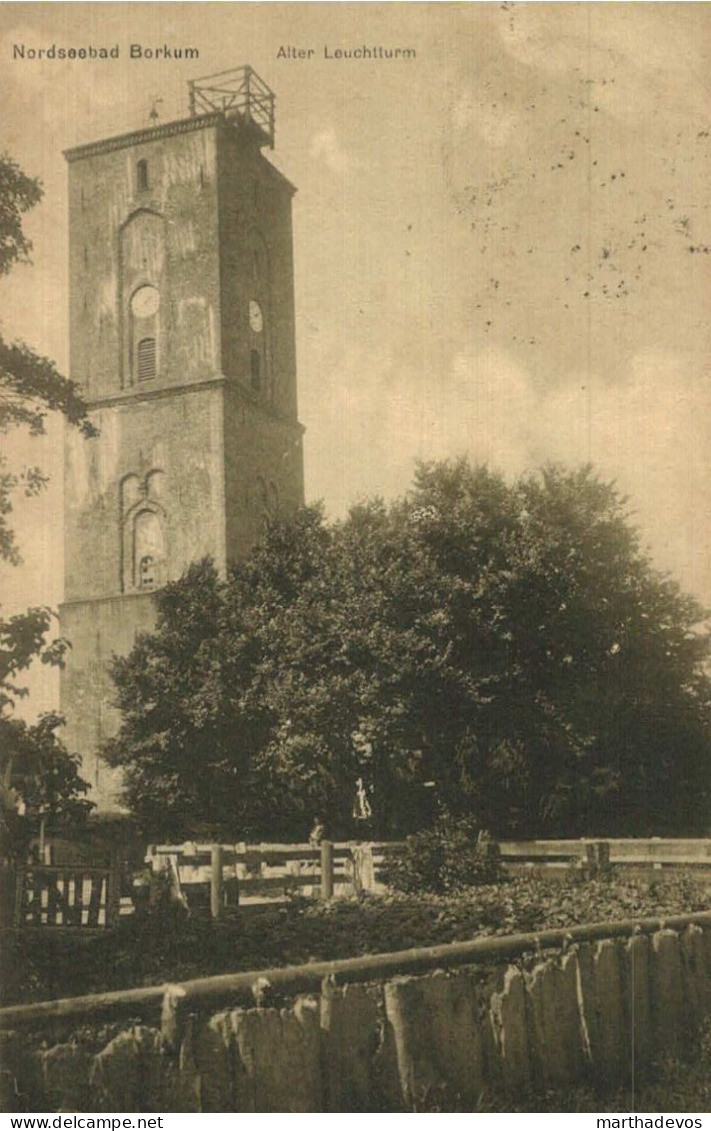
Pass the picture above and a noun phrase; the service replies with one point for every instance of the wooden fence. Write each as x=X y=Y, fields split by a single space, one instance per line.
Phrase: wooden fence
x=61 y=896
x=265 y=872
x=55 y=896
x=653 y=853
x=268 y=872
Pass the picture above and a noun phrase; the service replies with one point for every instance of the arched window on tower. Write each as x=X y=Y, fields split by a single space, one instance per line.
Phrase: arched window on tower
x=143 y=541
x=146 y=572
x=142 y=175
x=258 y=352
x=145 y=307
x=148 y=550
x=146 y=359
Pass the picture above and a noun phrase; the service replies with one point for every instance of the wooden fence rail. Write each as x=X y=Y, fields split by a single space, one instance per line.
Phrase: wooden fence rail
x=151 y=1003
x=553 y=1010
x=61 y=896
x=267 y=871
x=658 y=853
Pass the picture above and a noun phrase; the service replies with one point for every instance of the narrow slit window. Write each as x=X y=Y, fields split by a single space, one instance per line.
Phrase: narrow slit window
x=146 y=359
x=255 y=369
x=146 y=572
x=142 y=175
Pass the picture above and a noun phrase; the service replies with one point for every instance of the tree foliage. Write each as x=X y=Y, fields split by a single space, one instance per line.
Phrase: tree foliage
x=509 y=643
x=18 y=194
x=30 y=385
x=41 y=783
x=35 y=767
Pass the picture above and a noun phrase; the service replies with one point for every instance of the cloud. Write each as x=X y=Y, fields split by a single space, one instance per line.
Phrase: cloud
x=649 y=430
x=495 y=125
x=326 y=147
x=649 y=53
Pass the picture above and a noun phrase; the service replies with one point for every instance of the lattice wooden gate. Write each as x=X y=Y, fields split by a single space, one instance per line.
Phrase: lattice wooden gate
x=56 y=896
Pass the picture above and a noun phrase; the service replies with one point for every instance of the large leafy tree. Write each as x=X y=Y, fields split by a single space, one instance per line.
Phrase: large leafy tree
x=30 y=385
x=509 y=643
x=36 y=771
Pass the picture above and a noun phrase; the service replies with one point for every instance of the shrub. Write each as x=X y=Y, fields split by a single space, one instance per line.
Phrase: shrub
x=452 y=854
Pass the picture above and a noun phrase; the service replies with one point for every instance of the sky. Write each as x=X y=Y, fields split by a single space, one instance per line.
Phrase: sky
x=501 y=244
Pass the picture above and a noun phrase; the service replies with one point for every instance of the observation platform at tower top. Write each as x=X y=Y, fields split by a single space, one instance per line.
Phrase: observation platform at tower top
x=240 y=92
x=239 y=97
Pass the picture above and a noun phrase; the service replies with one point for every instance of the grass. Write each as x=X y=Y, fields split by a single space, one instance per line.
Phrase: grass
x=672 y=1084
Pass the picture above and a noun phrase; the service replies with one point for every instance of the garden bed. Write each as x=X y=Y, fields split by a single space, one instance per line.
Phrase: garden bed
x=172 y=948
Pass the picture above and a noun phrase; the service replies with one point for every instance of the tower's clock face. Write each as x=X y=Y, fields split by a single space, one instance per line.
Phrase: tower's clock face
x=145 y=302
x=256 y=321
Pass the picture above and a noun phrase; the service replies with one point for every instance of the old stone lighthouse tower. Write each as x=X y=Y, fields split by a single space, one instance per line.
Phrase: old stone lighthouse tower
x=182 y=338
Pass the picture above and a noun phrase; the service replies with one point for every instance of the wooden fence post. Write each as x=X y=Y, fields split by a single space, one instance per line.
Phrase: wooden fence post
x=113 y=890
x=656 y=864
x=216 y=881
x=18 y=918
x=597 y=856
x=491 y=851
x=326 y=869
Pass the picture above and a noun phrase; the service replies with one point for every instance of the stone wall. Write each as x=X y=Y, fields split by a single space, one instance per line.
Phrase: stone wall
x=594 y=1012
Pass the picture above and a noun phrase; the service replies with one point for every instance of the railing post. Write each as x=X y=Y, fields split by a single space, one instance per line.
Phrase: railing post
x=248 y=89
x=326 y=869
x=216 y=881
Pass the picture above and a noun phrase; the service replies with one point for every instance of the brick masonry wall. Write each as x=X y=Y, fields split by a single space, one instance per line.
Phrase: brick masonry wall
x=121 y=237
x=97 y=630
x=256 y=262
x=181 y=438
x=194 y=452
x=263 y=461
